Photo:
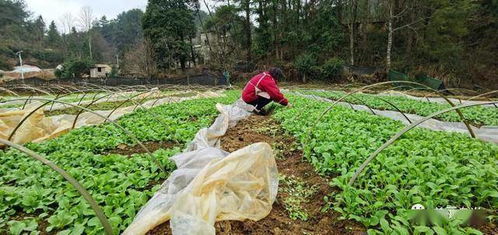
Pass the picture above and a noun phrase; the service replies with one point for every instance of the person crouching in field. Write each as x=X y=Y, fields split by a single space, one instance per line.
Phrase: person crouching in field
x=262 y=89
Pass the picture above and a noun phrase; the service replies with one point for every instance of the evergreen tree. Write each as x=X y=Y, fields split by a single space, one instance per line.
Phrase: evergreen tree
x=53 y=36
x=169 y=24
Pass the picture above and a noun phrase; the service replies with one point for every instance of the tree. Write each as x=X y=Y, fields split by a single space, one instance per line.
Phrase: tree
x=305 y=64
x=86 y=21
x=246 y=5
x=74 y=69
x=128 y=29
x=138 y=61
x=53 y=36
x=352 y=23
x=168 y=24
x=39 y=30
x=229 y=28
x=12 y=13
x=75 y=44
x=67 y=21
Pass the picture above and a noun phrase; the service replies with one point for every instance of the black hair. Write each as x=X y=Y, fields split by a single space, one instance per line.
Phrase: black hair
x=276 y=73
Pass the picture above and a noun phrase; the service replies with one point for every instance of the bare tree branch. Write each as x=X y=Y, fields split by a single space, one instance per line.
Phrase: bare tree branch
x=67 y=22
x=86 y=18
x=410 y=24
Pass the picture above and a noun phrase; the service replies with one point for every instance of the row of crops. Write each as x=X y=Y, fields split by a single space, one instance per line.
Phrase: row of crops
x=88 y=97
x=435 y=169
x=476 y=115
x=35 y=198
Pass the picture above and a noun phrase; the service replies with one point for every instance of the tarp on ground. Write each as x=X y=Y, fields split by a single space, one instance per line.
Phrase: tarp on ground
x=212 y=185
x=423 y=79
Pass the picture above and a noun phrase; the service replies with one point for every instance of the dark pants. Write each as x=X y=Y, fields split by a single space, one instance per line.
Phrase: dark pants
x=260 y=103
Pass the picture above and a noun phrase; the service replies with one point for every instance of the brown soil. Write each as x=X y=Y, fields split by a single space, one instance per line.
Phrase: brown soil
x=487 y=228
x=152 y=146
x=42 y=223
x=290 y=163
x=478 y=221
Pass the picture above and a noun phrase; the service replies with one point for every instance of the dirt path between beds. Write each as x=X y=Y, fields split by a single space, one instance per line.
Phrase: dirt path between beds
x=301 y=190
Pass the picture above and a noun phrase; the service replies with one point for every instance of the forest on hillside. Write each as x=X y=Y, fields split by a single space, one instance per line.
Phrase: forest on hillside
x=454 y=40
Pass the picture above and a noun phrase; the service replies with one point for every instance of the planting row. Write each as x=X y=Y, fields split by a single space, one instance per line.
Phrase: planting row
x=85 y=98
x=435 y=169
x=476 y=115
x=34 y=198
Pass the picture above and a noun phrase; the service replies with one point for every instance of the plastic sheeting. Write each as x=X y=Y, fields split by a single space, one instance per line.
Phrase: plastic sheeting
x=211 y=185
x=38 y=127
x=154 y=93
x=486 y=133
x=437 y=99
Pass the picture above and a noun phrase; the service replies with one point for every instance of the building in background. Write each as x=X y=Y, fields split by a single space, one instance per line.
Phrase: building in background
x=100 y=71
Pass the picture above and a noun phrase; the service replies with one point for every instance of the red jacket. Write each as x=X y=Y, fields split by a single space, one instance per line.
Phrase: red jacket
x=265 y=83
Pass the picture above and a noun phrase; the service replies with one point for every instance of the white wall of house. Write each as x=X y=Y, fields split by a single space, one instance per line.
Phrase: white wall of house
x=100 y=71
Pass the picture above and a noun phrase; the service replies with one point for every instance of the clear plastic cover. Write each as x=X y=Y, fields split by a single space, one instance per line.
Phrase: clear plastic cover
x=211 y=185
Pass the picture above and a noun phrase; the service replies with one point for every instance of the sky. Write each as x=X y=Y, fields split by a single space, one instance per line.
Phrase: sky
x=56 y=9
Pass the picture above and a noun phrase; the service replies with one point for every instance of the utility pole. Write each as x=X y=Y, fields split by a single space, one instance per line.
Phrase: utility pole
x=20 y=62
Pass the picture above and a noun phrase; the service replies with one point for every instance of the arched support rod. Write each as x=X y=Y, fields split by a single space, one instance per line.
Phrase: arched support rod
x=384 y=83
x=31 y=113
x=459 y=97
x=35 y=89
x=125 y=101
x=363 y=103
x=83 y=192
x=385 y=101
x=26 y=102
x=485 y=94
x=94 y=101
x=400 y=133
x=159 y=165
x=394 y=106
x=9 y=91
x=26 y=118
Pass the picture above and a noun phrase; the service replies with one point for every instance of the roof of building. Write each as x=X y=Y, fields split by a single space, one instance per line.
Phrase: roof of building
x=101 y=66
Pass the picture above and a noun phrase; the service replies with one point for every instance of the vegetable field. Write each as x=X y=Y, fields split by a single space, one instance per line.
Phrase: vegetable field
x=435 y=169
x=112 y=162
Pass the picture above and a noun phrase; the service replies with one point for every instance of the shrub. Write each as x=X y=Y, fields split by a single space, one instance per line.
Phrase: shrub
x=50 y=56
x=305 y=64
x=114 y=72
x=4 y=65
x=74 y=68
x=332 y=69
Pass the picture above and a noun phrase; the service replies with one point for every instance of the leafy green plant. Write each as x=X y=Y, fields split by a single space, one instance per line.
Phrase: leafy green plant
x=114 y=71
x=298 y=193
x=332 y=69
x=426 y=167
x=74 y=68
x=305 y=64
x=476 y=115
x=120 y=184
